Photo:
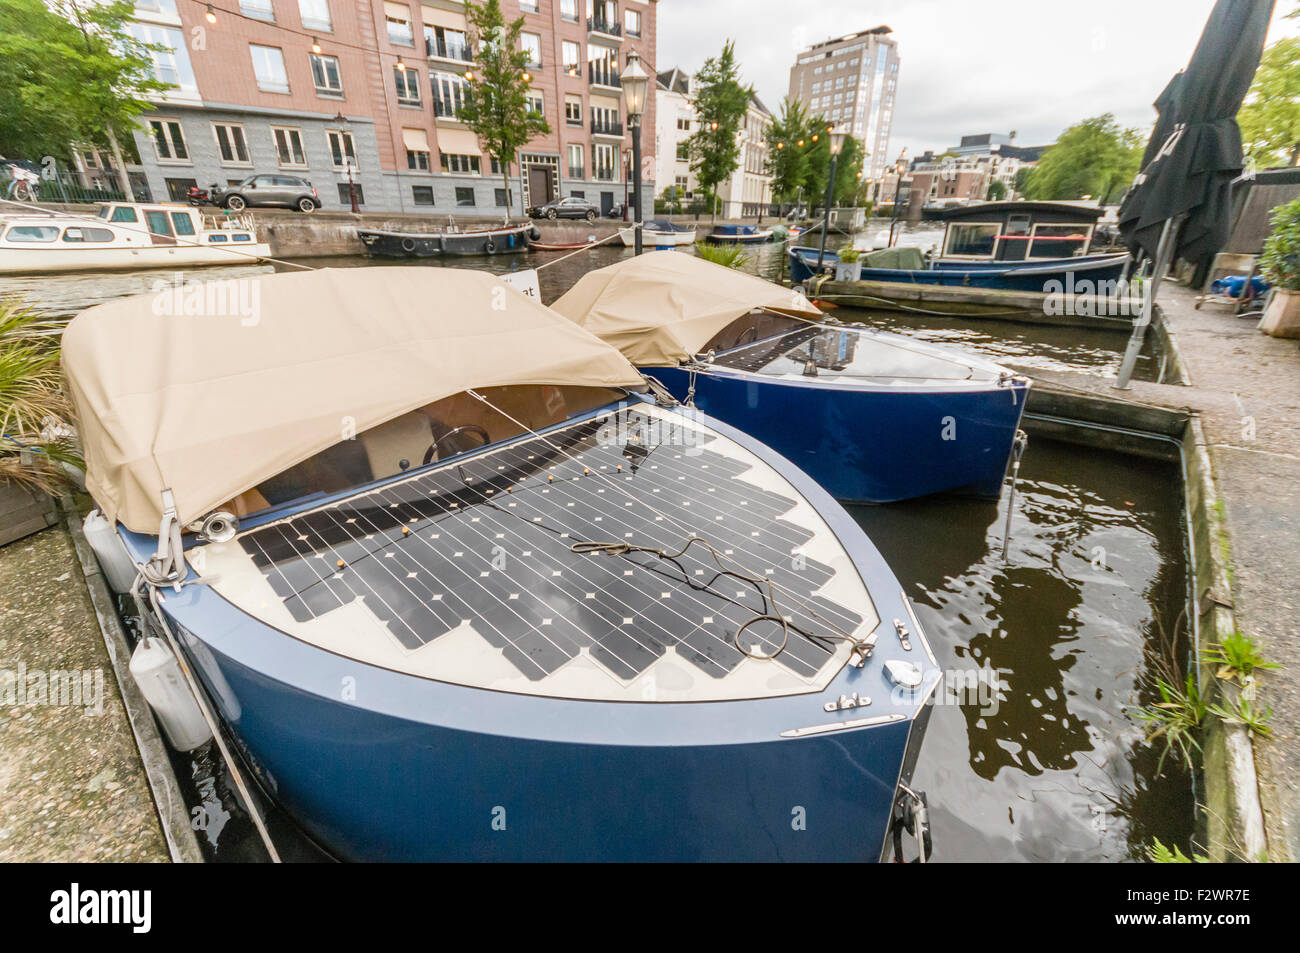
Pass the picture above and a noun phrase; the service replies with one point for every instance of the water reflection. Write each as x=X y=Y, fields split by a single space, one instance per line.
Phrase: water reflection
x=1096 y=567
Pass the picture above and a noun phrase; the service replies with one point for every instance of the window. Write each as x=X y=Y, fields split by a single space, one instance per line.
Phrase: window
x=288 y=146
x=536 y=104
x=231 y=144
x=684 y=123
x=528 y=6
x=325 y=74
x=449 y=91
x=568 y=9
x=577 y=169
x=632 y=22
x=422 y=194
x=531 y=43
x=972 y=241
x=447 y=43
x=257 y=9
x=578 y=194
x=495 y=165
x=683 y=151
x=217 y=239
x=342 y=150
x=500 y=196
x=602 y=161
x=571 y=53
x=87 y=235
x=268 y=67
x=468 y=165
x=315 y=15
x=418 y=160
x=345 y=197
x=417 y=149
x=169 y=140
x=1059 y=241
x=157 y=6
x=123 y=214
x=573 y=110
x=183 y=224
x=32 y=233
x=464 y=197
x=398 y=17
x=157 y=223
x=171 y=62
x=407 y=82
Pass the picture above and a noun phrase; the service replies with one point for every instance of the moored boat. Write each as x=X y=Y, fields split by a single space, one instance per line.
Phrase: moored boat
x=125 y=235
x=1037 y=276
x=740 y=234
x=450 y=240
x=874 y=417
x=659 y=233
x=512 y=607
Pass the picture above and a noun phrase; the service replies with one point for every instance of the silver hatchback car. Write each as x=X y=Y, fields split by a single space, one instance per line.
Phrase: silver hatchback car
x=269 y=191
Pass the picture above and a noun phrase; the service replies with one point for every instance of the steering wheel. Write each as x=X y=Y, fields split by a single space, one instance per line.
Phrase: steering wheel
x=474 y=429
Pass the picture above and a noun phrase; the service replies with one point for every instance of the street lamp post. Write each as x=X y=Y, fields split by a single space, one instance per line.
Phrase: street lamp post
x=837 y=143
x=347 y=164
x=635 y=82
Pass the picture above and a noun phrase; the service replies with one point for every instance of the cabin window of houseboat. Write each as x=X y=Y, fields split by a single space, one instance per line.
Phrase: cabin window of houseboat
x=158 y=224
x=241 y=237
x=87 y=235
x=1017 y=224
x=32 y=233
x=123 y=214
x=217 y=239
x=183 y=224
x=1059 y=241
x=973 y=240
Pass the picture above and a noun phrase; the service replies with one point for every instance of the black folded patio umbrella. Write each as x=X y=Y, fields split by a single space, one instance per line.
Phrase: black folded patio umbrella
x=1195 y=150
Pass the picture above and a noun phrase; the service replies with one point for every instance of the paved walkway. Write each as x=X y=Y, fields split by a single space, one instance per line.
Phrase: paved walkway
x=72 y=787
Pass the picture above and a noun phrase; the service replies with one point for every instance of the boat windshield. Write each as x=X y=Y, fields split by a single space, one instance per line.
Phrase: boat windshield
x=448 y=427
x=752 y=327
x=817 y=351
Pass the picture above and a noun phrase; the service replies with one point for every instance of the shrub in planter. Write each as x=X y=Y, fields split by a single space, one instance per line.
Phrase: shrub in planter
x=35 y=441
x=1280 y=265
x=849 y=267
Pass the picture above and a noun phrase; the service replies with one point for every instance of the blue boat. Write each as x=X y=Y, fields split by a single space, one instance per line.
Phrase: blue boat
x=522 y=610
x=740 y=234
x=873 y=417
x=1034 y=275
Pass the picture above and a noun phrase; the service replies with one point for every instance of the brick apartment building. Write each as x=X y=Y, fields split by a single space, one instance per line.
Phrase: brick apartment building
x=306 y=87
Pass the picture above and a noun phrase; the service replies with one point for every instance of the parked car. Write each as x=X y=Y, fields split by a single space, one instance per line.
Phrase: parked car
x=566 y=208
x=268 y=191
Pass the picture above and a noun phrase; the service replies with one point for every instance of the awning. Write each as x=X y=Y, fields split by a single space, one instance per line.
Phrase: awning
x=209 y=392
x=458 y=142
x=417 y=140
x=663 y=307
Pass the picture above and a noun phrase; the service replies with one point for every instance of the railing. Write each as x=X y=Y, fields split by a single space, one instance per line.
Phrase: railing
x=448 y=51
x=444 y=108
x=603 y=175
x=603 y=76
x=601 y=25
x=65 y=187
x=577 y=172
x=606 y=127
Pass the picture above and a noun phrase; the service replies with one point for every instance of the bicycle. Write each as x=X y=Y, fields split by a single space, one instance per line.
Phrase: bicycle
x=25 y=186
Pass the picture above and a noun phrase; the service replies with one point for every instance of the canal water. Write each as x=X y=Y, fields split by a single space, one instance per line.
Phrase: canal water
x=1070 y=623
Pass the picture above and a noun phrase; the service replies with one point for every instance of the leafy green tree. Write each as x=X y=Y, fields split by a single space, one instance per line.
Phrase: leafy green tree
x=997 y=190
x=786 y=162
x=496 y=104
x=721 y=101
x=1270 y=115
x=71 y=72
x=1095 y=157
x=848 y=171
x=817 y=144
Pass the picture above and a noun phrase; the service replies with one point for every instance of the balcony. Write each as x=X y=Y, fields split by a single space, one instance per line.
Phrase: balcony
x=448 y=50
x=603 y=174
x=607 y=127
x=602 y=74
x=577 y=172
x=603 y=27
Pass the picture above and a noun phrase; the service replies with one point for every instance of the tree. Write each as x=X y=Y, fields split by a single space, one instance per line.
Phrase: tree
x=1270 y=115
x=721 y=102
x=848 y=171
x=817 y=145
x=496 y=105
x=997 y=190
x=71 y=72
x=1095 y=157
x=786 y=163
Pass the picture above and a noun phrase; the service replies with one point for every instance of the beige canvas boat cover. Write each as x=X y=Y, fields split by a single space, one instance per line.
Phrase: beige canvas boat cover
x=663 y=307
x=208 y=397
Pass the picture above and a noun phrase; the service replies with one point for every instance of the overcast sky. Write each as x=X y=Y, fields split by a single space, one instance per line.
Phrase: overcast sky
x=968 y=66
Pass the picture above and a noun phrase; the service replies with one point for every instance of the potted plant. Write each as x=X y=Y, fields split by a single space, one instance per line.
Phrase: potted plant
x=1280 y=265
x=849 y=267
x=36 y=446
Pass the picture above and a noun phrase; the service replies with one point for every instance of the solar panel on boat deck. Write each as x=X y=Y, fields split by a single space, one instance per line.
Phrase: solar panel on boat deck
x=488 y=542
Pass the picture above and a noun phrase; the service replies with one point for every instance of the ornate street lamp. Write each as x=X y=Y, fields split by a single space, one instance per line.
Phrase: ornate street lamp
x=838 y=135
x=347 y=163
x=636 y=83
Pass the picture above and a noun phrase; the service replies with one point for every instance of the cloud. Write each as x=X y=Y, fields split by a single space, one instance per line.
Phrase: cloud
x=1035 y=66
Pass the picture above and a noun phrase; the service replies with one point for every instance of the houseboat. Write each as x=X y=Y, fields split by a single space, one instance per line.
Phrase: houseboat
x=125 y=235
x=449 y=240
x=527 y=612
x=659 y=233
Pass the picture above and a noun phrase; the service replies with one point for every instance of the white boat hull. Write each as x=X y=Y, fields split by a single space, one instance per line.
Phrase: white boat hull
x=651 y=238
x=38 y=260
